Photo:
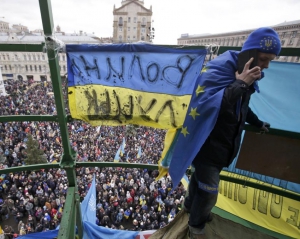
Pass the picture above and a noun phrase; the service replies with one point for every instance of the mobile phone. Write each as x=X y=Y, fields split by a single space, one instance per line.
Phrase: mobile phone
x=244 y=57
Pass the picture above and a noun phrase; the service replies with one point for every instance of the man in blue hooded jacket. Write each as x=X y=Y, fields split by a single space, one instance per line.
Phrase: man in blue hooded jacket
x=223 y=142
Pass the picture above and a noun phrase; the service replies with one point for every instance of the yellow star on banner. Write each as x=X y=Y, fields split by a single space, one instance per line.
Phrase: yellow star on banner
x=204 y=69
x=194 y=113
x=200 y=89
x=184 y=131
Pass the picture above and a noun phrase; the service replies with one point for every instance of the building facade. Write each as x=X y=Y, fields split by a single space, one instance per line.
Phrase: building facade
x=4 y=26
x=132 y=22
x=33 y=66
x=289 y=33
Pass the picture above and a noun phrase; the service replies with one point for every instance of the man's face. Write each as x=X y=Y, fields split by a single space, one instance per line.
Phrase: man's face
x=264 y=60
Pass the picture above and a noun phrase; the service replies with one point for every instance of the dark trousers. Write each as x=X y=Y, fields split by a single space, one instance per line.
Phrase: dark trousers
x=202 y=193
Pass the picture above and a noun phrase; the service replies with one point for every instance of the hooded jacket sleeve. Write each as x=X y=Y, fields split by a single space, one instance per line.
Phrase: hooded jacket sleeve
x=253 y=119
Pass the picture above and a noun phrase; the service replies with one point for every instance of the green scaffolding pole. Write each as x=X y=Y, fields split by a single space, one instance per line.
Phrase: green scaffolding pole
x=68 y=160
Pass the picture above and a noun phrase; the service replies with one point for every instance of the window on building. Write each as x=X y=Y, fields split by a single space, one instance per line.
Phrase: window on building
x=120 y=38
x=297 y=59
x=134 y=19
x=16 y=57
x=143 y=21
x=38 y=57
x=34 y=58
x=43 y=57
x=143 y=38
x=294 y=34
x=64 y=58
x=237 y=41
x=129 y=19
x=9 y=67
x=26 y=67
x=134 y=28
x=282 y=42
x=3 y=57
x=143 y=30
x=7 y=56
x=120 y=21
x=120 y=29
x=29 y=57
x=128 y=29
x=228 y=40
x=283 y=34
x=64 y=68
x=291 y=42
x=30 y=67
x=133 y=37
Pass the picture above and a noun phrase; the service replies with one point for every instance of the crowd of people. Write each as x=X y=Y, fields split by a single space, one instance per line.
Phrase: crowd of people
x=128 y=199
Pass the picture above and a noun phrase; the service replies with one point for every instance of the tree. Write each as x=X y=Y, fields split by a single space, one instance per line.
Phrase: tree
x=34 y=155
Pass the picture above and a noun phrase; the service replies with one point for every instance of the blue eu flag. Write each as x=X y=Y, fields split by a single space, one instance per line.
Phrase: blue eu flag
x=202 y=113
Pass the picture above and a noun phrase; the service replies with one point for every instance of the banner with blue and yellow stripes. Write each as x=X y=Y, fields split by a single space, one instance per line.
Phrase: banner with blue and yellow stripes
x=120 y=84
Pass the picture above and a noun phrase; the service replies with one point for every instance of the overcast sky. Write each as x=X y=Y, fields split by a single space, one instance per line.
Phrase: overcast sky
x=171 y=17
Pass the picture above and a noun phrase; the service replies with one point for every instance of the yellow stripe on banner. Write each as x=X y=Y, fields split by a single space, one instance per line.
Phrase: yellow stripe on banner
x=268 y=210
x=167 y=144
x=104 y=105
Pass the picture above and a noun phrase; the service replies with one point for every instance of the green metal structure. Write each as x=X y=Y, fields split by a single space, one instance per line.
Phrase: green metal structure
x=72 y=212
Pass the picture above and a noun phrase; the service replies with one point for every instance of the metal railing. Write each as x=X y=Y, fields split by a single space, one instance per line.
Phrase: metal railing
x=72 y=213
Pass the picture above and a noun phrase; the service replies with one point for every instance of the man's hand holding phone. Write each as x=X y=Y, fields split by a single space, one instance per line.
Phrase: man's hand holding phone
x=249 y=75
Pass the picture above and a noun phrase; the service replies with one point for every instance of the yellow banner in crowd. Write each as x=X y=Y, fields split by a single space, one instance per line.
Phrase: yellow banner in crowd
x=268 y=210
x=105 y=105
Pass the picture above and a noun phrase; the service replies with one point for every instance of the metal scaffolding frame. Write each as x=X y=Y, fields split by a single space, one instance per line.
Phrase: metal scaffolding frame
x=71 y=219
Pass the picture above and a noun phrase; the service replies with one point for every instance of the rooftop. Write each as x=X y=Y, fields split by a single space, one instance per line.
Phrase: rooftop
x=186 y=35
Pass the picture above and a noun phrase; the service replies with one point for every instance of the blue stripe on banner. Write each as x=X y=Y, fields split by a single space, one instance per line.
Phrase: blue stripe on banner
x=208 y=188
x=127 y=48
x=162 y=70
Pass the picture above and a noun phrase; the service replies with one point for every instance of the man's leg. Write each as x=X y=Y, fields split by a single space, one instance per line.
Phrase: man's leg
x=205 y=198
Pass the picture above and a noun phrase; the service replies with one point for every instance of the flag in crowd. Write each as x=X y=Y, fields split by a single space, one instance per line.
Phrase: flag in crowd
x=185 y=181
x=117 y=156
x=139 y=154
x=123 y=146
x=88 y=205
